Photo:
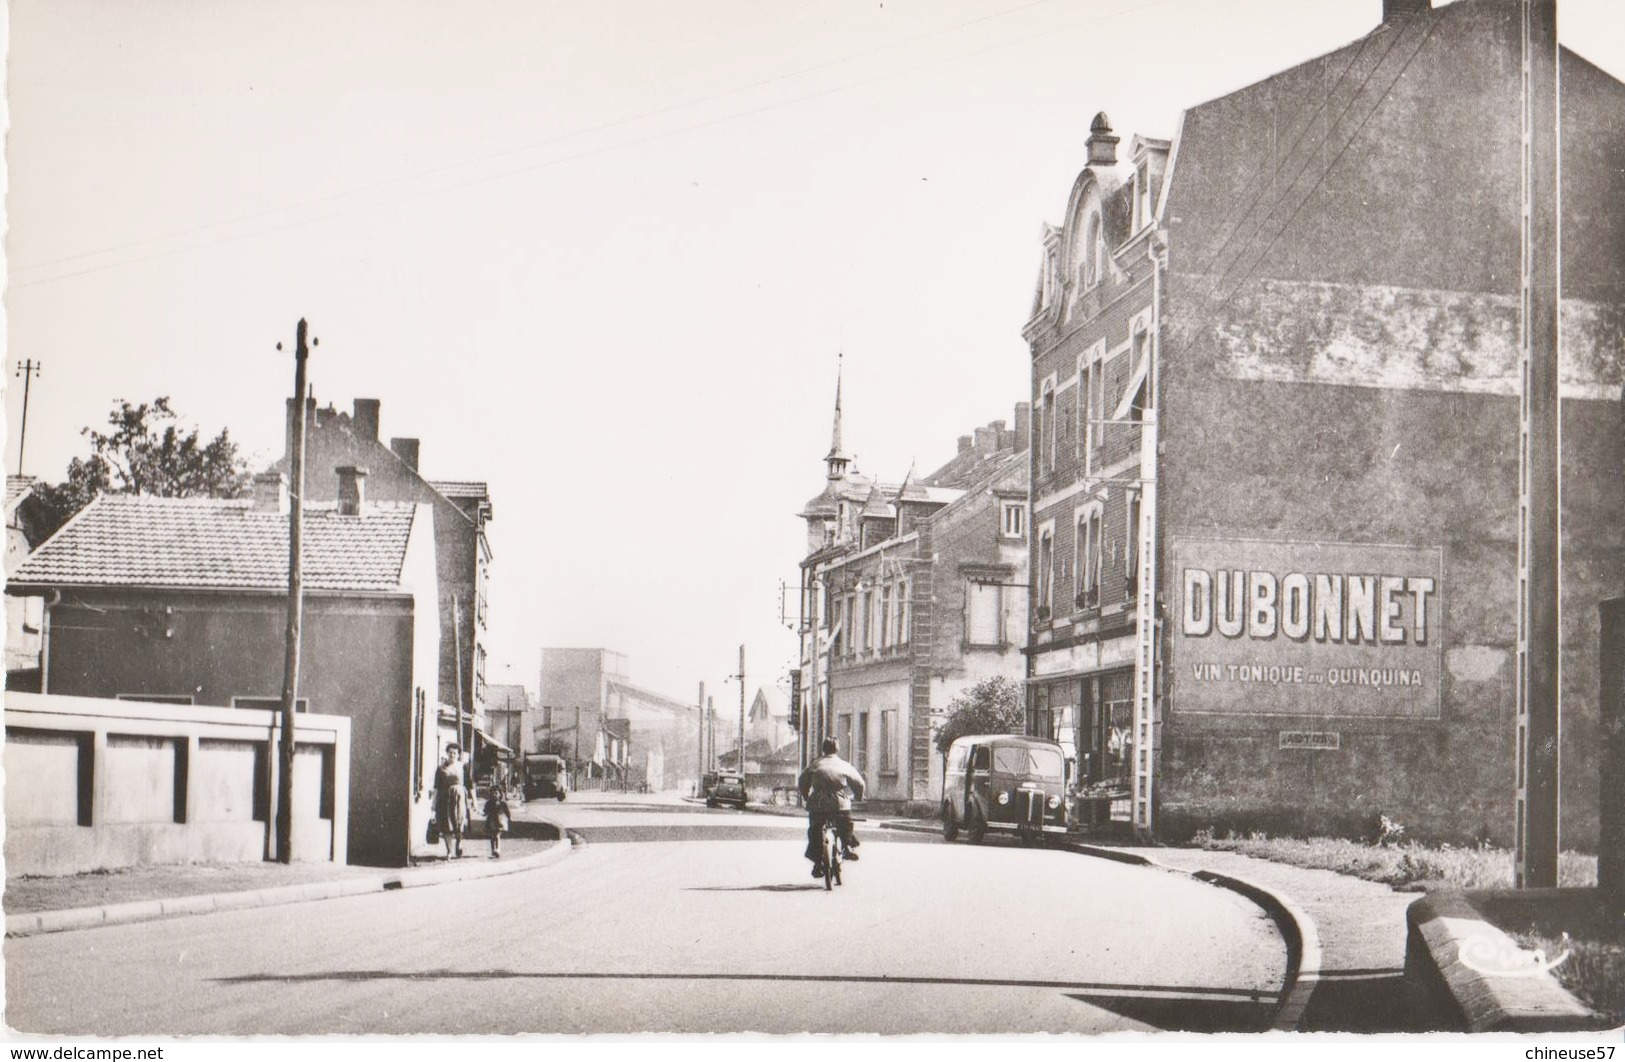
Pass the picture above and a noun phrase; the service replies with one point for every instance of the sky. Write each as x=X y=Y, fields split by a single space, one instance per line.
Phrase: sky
x=601 y=254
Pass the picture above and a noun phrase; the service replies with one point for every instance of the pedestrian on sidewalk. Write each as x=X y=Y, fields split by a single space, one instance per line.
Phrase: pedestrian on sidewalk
x=497 y=816
x=451 y=804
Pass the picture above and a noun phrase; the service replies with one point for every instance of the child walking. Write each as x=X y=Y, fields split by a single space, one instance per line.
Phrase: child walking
x=497 y=817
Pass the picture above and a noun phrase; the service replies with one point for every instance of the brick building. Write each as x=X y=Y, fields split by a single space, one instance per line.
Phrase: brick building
x=913 y=592
x=462 y=509
x=1305 y=314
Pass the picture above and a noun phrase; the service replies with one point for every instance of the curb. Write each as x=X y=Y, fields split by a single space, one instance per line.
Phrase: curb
x=1297 y=928
x=1444 y=934
x=37 y=922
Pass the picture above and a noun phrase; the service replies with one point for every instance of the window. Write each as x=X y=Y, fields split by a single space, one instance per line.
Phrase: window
x=864 y=642
x=1046 y=572
x=905 y=611
x=1142 y=196
x=1131 y=553
x=1047 y=440
x=983 y=626
x=849 y=634
x=888 y=740
x=1014 y=521
x=862 y=762
x=886 y=628
x=157 y=698
x=1088 y=557
x=1094 y=250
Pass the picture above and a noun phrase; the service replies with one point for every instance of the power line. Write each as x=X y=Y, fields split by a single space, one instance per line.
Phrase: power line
x=1286 y=155
x=1326 y=171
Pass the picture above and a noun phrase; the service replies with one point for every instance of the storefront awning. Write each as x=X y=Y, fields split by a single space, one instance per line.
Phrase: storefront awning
x=480 y=735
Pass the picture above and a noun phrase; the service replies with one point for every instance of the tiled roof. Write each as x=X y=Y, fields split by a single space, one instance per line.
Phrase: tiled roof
x=460 y=488
x=17 y=488
x=210 y=543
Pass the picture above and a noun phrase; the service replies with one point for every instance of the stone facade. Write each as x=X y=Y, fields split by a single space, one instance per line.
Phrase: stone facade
x=913 y=592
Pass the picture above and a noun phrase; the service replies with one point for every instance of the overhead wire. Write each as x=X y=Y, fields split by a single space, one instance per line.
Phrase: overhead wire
x=1331 y=165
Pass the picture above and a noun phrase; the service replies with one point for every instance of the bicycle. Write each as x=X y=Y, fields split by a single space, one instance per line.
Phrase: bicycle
x=831 y=866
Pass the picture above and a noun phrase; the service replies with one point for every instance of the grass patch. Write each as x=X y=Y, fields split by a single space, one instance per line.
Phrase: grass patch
x=1408 y=863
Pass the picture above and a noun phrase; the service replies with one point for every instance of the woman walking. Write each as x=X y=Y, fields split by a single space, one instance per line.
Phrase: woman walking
x=451 y=800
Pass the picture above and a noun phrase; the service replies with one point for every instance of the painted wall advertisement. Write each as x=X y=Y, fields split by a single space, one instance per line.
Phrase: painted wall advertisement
x=1307 y=628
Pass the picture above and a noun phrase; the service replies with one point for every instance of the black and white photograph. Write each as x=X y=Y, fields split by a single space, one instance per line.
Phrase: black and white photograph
x=1003 y=524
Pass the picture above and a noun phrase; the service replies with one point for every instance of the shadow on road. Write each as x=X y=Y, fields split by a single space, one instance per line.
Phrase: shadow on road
x=1186 y=1014
x=1361 y=1001
x=798 y=887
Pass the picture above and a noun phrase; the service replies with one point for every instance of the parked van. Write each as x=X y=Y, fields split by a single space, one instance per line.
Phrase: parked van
x=1004 y=782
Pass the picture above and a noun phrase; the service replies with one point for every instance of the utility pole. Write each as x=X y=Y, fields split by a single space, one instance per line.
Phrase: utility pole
x=575 y=759
x=1539 y=540
x=28 y=370
x=296 y=602
x=711 y=734
x=741 y=677
x=699 y=713
x=457 y=659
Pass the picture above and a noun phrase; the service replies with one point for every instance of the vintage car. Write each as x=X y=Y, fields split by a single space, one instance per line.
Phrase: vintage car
x=1004 y=782
x=545 y=777
x=727 y=789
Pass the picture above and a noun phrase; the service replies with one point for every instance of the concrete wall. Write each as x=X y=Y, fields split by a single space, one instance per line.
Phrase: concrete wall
x=96 y=784
x=357 y=660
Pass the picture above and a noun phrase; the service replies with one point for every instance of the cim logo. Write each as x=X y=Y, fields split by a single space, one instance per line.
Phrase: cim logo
x=1498 y=956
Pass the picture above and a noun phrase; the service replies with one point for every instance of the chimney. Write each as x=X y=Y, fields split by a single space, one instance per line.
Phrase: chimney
x=364 y=422
x=1024 y=411
x=271 y=493
x=1393 y=10
x=406 y=450
x=352 y=490
x=987 y=440
x=964 y=444
x=1102 y=145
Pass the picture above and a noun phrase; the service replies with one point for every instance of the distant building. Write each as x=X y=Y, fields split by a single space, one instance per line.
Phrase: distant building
x=184 y=601
x=615 y=734
x=912 y=592
x=508 y=716
x=462 y=509
x=768 y=720
x=1276 y=477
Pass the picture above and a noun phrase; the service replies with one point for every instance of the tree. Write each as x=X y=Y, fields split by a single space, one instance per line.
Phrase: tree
x=146 y=451
x=992 y=706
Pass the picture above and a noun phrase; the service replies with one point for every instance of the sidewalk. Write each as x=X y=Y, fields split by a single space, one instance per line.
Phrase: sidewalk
x=50 y=904
x=1351 y=961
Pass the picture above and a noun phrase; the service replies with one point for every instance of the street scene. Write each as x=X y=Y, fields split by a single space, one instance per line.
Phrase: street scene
x=1064 y=517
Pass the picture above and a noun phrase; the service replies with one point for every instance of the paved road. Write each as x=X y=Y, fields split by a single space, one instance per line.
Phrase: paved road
x=676 y=918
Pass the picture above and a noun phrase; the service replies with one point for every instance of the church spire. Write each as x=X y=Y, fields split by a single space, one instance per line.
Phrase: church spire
x=837 y=459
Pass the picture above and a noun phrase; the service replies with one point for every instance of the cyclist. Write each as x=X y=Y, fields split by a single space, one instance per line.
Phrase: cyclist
x=829 y=785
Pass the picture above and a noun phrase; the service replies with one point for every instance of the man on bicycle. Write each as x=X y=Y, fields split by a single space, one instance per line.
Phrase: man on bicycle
x=829 y=785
